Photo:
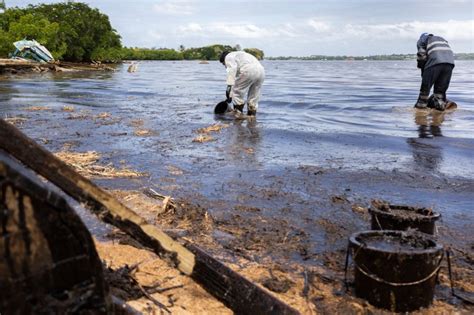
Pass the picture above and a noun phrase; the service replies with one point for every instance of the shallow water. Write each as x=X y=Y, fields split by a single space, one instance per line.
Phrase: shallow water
x=323 y=128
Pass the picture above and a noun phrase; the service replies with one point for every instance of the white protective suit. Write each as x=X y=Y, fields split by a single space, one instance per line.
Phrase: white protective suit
x=245 y=74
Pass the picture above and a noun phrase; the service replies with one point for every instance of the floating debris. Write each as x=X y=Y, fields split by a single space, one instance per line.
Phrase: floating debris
x=82 y=115
x=133 y=67
x=85 y=164
x=203 y=138
x=143 y=132
x=37 y=108
x=103 y=115
x=17 y=121
x=136 y=123
x=213 y=128
x=174 y=170
x=68 y=108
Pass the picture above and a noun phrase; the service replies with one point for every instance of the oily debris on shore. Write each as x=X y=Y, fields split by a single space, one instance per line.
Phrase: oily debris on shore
x=134 y=273
x=248 y=245
x=249 y=242
x=16 y=121
x=205 y=133
x=402 y=212
x=86 y=164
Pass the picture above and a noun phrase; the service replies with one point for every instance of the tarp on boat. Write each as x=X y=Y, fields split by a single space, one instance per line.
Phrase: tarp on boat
x=31 y=49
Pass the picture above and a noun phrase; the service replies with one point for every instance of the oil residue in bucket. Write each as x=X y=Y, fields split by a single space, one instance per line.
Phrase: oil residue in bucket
x=395 y=270
x=386 y=216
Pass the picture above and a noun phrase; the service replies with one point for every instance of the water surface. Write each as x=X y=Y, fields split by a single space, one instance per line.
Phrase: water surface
x=323 y=129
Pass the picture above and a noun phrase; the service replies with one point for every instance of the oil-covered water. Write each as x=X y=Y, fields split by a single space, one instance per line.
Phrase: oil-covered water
x=323 y=129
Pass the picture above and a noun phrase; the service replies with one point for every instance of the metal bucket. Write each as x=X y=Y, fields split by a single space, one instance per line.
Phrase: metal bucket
x=395 y=217
x=395 y=270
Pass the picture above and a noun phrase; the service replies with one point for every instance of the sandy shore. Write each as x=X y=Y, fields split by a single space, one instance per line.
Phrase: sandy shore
x=286 y=230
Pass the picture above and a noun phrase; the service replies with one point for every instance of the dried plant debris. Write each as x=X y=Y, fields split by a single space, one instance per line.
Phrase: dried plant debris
x=82 y=115
x=143 y=132
x=204 y=133
x=141 y=279
x=104 y=115
x=68 y=108
x=279 y=284
x=173 y=170
x=37 y=108
x=136 y=123
x=86 y=164
x=148 y=204
x=203 y=138
x=17 y=121
x=212 y=128
x=187 y=216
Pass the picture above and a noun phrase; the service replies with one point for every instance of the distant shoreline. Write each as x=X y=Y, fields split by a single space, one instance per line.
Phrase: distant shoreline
x=459 y=56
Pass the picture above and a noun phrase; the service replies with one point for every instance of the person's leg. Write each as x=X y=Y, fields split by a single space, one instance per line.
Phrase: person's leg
x=241 y=86
x=427 y=82
x=441 y=85
x=254 y=94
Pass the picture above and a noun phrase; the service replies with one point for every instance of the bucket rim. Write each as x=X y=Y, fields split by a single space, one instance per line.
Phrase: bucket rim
x=221 y=108
x=432 y=250
x=433 y=217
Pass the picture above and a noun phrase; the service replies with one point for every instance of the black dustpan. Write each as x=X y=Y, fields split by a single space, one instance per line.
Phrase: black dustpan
x=221 y=107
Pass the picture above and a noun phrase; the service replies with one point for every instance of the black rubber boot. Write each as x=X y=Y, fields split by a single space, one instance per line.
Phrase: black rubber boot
x=251 y=112
x=422 y=102
x=240 y=108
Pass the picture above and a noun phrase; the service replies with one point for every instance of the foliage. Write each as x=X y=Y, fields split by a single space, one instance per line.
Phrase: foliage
x=75 y=32
x=464 y=56
x=457 y=56
x=71 y=31
x=29 y=27
x=256 y=52
x=344 y=57
x=212 y=52
x=151 y=54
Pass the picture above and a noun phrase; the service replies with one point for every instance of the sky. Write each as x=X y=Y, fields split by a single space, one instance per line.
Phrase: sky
x=289 y=28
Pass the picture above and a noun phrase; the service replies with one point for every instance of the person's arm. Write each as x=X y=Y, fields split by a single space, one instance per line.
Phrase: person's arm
x=421 y=55
x=231 y=67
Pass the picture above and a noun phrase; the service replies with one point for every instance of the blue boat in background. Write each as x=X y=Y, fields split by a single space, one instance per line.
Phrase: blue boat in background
x=31 y=49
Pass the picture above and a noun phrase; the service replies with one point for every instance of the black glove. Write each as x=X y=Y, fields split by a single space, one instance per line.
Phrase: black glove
x=421 y=65
x=227 y=93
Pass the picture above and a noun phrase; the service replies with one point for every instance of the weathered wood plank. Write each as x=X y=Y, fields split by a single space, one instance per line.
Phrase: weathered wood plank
x=48 y=261
x=235 y=291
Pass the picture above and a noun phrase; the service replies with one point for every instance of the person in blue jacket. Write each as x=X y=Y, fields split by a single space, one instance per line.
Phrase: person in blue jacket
x=436 y=61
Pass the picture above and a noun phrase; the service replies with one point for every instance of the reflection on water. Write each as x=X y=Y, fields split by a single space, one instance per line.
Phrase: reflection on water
x=427 y=156
x=429 y=123
x=244 y=145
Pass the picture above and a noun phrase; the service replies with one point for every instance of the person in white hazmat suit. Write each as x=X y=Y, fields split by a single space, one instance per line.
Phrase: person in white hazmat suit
x=245 y=77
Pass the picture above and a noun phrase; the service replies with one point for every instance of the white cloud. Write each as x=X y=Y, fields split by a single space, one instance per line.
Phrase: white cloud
x=316 y=36
x=452 y=30
x=191 y=28
x=175 y=7
x=155 y=35
x=320 y=31
x=319 y=26
x=241 y=30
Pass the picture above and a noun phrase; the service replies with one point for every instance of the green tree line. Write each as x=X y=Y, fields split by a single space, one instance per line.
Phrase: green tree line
x=211 y=52
x=457 y=56
x=70 y=31
x=77 y=32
